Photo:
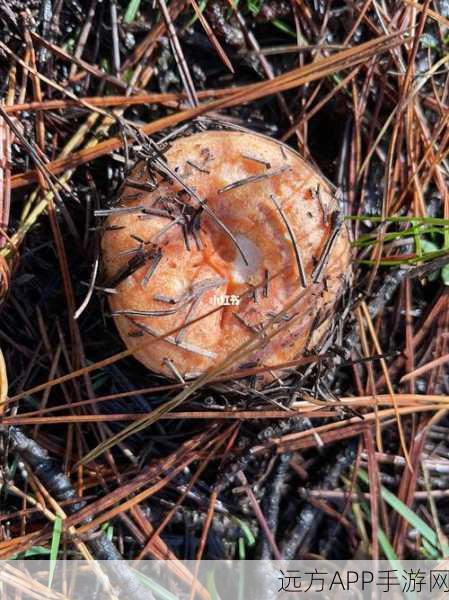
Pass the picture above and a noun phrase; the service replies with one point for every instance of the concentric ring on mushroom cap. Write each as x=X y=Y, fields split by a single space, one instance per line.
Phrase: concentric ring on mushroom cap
x=265 y=233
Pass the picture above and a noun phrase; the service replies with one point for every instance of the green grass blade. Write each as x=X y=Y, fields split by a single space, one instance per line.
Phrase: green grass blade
x=445 y=274
x=158 y=590
x=201 y=6
x=211 y=587
x=284 y=27
x=250 y=539
x=385 y=545
x=411 y=219
x=393 y=262
x=131 y=11
x=31 y=553
x=54 y=548
x=388 y=551
x=412 y=518
x=241 y=548
x=371 y=238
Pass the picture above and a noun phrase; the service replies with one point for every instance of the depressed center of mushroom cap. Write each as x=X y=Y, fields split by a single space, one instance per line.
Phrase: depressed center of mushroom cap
x=242 y=272
x=238 y=261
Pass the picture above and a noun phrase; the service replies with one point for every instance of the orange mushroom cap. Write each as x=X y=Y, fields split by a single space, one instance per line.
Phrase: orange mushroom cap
x=243 y=229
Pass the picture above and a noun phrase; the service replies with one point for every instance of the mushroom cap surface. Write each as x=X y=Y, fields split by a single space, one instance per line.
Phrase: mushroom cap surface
x=249 y=225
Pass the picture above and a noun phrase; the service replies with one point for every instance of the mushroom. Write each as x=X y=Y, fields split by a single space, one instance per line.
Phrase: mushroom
x=231 y=237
